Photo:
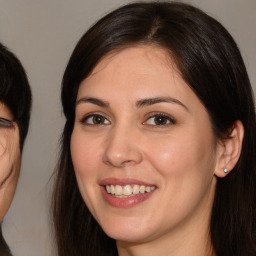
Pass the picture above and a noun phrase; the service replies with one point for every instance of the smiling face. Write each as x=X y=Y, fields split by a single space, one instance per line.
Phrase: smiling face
x=143 y=149
x=10 y=159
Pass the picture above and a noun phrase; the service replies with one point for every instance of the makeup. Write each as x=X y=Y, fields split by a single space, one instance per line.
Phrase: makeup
x=125 y=193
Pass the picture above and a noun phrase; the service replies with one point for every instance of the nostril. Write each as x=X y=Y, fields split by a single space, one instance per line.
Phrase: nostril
x=121 y=152
x=128 y=162
x=120 y=163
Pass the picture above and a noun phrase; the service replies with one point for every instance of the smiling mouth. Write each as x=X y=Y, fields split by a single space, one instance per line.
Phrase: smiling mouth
x=128 y=190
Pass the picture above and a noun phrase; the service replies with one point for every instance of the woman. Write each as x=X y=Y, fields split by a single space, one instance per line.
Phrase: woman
x=15 y=103
x=158 y=149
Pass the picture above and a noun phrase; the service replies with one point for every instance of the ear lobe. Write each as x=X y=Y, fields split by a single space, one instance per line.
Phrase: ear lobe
x=229 y=150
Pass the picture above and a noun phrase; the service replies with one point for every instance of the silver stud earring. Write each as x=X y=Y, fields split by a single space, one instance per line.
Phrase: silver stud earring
x=226 y=170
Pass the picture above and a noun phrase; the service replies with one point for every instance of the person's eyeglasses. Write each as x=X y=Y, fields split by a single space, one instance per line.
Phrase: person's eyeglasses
x=5 y=122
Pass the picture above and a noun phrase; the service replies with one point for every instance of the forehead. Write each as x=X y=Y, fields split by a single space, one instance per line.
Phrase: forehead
x=135 y=73
x=134 y=67
x=145 y=54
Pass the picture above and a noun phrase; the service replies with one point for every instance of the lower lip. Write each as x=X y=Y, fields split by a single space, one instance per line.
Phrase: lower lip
x=127 y=201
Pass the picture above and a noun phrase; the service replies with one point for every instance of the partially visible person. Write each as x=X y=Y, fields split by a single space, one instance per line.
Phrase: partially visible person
x=15 y=105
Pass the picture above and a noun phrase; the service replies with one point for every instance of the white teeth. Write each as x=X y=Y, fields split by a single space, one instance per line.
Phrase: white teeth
x=118 y=190
x=136 y=189
x=108 y=189
x=142 y=189
x=128 y=190
x=112 y=189
x=147 y=189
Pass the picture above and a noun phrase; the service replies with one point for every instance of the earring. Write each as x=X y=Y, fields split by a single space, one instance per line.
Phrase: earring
x=226 y=170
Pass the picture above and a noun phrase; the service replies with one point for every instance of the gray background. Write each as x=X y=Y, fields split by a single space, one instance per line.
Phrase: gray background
x=43 y=35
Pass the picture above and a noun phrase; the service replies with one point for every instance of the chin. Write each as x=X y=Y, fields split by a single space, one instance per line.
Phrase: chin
x=127 y=232
x=128 y=237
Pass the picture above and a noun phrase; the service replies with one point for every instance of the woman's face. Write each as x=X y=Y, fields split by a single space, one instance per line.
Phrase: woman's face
x=10 y=159
x=142 y=147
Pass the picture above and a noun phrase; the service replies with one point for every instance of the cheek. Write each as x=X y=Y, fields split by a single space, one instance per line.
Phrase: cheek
x=6 y=195
x=84 y=154
x=185 y=167
x=8 y=189
x=3 y=143
x=167 y=154
x=4 y=168
x=182 y=155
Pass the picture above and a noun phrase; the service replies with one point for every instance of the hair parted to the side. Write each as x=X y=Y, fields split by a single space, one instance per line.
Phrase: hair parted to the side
x=15 y=93
x=211 y=64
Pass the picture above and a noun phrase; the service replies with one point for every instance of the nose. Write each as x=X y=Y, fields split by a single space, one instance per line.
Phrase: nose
x=122 y=148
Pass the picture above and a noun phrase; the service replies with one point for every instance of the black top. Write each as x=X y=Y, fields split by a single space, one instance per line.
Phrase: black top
x=4 y=249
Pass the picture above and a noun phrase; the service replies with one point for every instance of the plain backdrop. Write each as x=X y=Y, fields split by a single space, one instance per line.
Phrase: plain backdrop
x=43 y=33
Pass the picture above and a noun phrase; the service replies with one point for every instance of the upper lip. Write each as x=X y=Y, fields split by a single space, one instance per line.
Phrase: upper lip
x=124 y=181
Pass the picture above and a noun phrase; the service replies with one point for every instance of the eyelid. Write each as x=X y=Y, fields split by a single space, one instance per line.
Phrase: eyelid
x=160 y=114
x=92 y=114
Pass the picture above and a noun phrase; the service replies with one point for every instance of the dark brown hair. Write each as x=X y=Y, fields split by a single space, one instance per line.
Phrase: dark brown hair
x=15 y=93
x=211 y=64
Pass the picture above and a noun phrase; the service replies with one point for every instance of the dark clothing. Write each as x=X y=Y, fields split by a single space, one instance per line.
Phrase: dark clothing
x=4 y=249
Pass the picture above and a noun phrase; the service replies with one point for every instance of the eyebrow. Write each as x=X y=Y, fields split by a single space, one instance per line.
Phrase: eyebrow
x=152 y=101
x=139 y=104
x=98 y=102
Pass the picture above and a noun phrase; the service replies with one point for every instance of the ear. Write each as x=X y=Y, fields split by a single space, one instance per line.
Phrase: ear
x=229 y=150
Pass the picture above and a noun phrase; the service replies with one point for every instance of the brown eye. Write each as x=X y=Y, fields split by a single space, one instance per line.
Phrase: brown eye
x=98 y=119
x=159 y=119
x=95 y=120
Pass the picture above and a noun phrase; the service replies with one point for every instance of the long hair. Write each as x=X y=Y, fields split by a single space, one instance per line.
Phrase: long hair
x=15 y=93
x=211 y=64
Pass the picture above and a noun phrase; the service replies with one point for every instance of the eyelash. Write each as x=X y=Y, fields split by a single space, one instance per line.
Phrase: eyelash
x=165 y=118
x=93 y=116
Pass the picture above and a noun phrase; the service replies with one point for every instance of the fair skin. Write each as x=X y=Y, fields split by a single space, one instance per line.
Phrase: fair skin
x=138 y=125
x=10 y=160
